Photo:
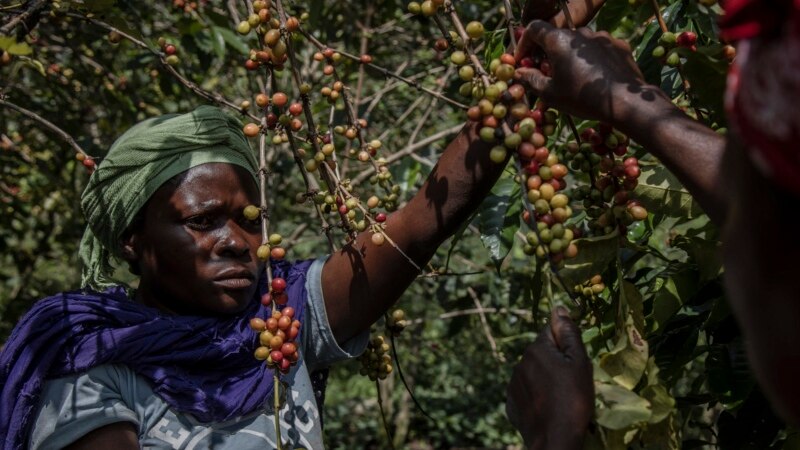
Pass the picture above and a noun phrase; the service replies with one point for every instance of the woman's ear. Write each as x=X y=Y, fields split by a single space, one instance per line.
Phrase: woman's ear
x=128 y=247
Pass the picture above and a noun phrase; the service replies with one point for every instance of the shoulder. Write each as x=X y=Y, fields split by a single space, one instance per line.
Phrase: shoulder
x=72 y=406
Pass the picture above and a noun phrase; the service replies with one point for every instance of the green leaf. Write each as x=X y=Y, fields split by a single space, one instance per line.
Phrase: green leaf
x=661 y=403
x=495 y=44
x=594 y=256
x=707 y=77
x=13 y=47
x=625 y=364
x=632 y=299
x=705 y=253
x=663 y=195
x=498 y=219
x=620 y=408
x=232 y=39
x=666 y=303
x=611 y=14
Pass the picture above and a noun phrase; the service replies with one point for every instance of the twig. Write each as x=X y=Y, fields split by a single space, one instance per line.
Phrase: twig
x=409 y=150
x=34 y=7
x=46 y=123
x=389 y=436
x=403 y=378
x=385 y=72
x=486 y=330
x=211 y=96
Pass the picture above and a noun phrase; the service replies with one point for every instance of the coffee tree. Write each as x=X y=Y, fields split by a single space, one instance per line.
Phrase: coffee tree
x=346 y=106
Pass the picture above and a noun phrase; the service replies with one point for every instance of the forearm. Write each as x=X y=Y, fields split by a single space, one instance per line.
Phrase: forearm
x=364 y=280
x=689 y=149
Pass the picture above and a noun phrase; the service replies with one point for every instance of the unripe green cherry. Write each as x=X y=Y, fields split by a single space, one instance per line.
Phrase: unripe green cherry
x=659 y=52
x=512 y=140
x=532 y=238
x=559 y=201
x=526 y=128
x=243 y=27
x=458 y=58
x=428 y=8
x=547 y=191
x=275 y=239
x=263 y=252
x=465 y=90
x=557 y=230
x=498 y=154
x=542 y=206
x=487 y=134
x=673 y=59
x=668 y=38
x=475 y=30
x=414 y=8
x=251 y=212
x=504 y=72
x=466 y=73
x=499 y=111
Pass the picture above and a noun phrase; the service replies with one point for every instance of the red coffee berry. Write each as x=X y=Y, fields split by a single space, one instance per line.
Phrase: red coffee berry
x=278 y=284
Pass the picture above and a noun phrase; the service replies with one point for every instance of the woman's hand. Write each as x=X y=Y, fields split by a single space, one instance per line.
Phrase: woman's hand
x=550 y=398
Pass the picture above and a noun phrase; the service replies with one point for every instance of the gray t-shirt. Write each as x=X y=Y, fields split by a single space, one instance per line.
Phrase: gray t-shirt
x=75 y=405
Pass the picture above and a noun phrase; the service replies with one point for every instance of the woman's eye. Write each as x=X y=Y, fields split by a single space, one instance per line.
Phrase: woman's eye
x=200 y=222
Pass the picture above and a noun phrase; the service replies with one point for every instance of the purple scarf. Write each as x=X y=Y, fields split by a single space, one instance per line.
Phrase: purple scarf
x=74 y=331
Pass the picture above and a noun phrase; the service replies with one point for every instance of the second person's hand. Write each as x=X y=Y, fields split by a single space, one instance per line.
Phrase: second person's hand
x=592 y=75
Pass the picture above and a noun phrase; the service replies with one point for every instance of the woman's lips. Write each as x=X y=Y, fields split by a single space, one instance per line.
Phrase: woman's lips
x=235 y=282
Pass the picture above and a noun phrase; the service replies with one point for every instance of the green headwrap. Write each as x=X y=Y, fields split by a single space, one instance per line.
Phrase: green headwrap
x=139 y=162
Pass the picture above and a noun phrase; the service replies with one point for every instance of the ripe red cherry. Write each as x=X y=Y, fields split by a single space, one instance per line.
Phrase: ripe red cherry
x=526 y=62
x=170 y=49
x=278 y=284
x=295 y=109
x=508 y=58
x=288 y=312
x=266 y=299
x=380 y=217
x=279 y=99
x=632 y=171
x=276 y=356
x=250 y=64
x=687 y=39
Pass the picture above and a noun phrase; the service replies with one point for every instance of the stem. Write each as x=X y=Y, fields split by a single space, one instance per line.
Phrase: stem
x=208 y=95
x=34 y=8
x=383 y=416
x=46 y=123
x=385 y=72
x=276 y=404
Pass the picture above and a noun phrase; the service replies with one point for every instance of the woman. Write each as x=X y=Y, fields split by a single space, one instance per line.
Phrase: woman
x=170 y=364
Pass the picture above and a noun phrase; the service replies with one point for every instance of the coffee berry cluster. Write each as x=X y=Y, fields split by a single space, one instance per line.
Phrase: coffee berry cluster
x=591 y=288
x=169 y=49
x=376 y=362
x=396 y=322
x=669 y=42
x=608 y=201
x=277 y=336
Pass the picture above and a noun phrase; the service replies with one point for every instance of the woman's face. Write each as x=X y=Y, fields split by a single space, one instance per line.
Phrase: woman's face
x=195 y=251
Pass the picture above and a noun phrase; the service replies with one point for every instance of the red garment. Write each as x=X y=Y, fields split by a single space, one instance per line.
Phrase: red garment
x=763 y=94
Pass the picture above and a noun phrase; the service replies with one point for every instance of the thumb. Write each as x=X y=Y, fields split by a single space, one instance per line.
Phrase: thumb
x=567 y=334
x=535 y=80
